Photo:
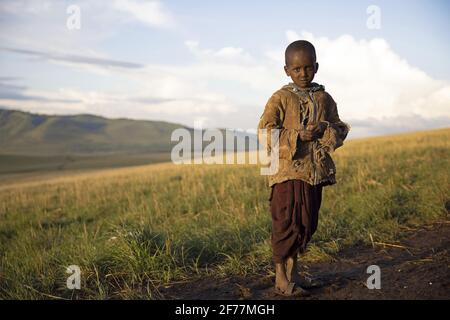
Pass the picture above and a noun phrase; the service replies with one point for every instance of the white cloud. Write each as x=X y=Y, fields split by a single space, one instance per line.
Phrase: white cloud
x=20 y=7
x=391 y=125
x=223 y=55
x=225 y=86
x=368 y=79
x=41 y=24
x=151 y=13
x=178 y=108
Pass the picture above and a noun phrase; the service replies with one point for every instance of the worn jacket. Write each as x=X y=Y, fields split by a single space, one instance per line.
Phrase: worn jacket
x=291 y=109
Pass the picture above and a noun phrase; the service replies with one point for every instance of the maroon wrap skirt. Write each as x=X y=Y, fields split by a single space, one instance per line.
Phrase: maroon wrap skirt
x=294 y=205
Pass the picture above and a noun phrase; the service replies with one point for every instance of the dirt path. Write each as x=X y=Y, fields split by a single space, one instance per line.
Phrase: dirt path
x=418 y=269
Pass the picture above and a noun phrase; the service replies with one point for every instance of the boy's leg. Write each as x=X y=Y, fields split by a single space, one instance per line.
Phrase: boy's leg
x=308 y=212
x=278 y=198
x=292 y=269
x=284 y=238
x=294 y=207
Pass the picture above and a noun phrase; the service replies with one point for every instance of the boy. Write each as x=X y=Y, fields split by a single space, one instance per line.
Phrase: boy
x=309 y=130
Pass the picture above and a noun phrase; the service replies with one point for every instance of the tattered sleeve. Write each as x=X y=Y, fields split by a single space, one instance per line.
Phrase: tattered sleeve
x=337 y=130
x=272 y=118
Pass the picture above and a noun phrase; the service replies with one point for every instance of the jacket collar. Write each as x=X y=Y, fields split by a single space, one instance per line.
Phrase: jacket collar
x=296 y=89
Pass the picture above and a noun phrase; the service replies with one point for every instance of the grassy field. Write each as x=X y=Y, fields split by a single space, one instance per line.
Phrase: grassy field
x=11 y=164
x=19 y=168
x=133 y=230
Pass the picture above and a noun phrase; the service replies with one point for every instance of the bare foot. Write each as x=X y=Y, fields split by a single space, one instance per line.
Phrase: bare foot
x=293 y=275
x=281 y=280
x=285 y=287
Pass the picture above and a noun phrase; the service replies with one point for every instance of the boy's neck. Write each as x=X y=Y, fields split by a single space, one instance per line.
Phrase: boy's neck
x=312 y=86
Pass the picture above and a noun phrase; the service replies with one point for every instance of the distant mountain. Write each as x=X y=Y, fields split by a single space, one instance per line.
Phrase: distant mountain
x=27 y=133
x=35 y=134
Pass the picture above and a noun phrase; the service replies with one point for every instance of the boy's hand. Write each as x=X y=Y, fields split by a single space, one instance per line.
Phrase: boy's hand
x=313 y=131
x=306 y=135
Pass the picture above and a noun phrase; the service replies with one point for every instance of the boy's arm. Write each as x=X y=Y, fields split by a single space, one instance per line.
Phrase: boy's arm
x=272 y=119
x=337 y=130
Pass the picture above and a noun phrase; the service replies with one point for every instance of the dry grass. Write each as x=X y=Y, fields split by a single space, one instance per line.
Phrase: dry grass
x=132 y=230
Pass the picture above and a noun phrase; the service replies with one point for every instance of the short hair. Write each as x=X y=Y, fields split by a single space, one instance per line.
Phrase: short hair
x=299 y=45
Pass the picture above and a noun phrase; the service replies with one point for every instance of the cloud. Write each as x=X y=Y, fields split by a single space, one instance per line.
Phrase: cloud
x=223 y=86
x=230 y=54
x=389 y=125
x=151 y=13
x=369 y=80
x=41 y=25
x=74 y=59
x=10 y=91
x=376 y=90
x=20 y=7
x=118 y=104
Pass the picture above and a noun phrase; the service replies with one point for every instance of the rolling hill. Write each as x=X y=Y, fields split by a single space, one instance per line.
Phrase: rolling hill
x=34 y=142
x=36 y=134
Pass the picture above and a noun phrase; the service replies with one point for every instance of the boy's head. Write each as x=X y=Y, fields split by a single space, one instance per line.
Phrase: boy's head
x=301 y=65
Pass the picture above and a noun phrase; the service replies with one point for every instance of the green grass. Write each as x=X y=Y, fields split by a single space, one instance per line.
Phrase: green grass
x=133 y=230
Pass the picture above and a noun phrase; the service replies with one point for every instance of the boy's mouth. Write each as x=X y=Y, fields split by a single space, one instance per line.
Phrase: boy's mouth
x=303 y=82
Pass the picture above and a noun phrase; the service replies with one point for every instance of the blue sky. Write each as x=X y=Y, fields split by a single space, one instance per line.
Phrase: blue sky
x=417 y=30
x=217 y=63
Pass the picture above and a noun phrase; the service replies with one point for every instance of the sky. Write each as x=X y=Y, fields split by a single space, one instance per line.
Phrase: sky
x=216 y=63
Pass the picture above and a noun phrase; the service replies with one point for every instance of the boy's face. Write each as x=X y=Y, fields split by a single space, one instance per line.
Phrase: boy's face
x=301 y=67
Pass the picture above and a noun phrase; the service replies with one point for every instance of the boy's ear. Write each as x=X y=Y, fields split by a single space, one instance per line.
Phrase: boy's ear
x=287 y=71
x=317 y=66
